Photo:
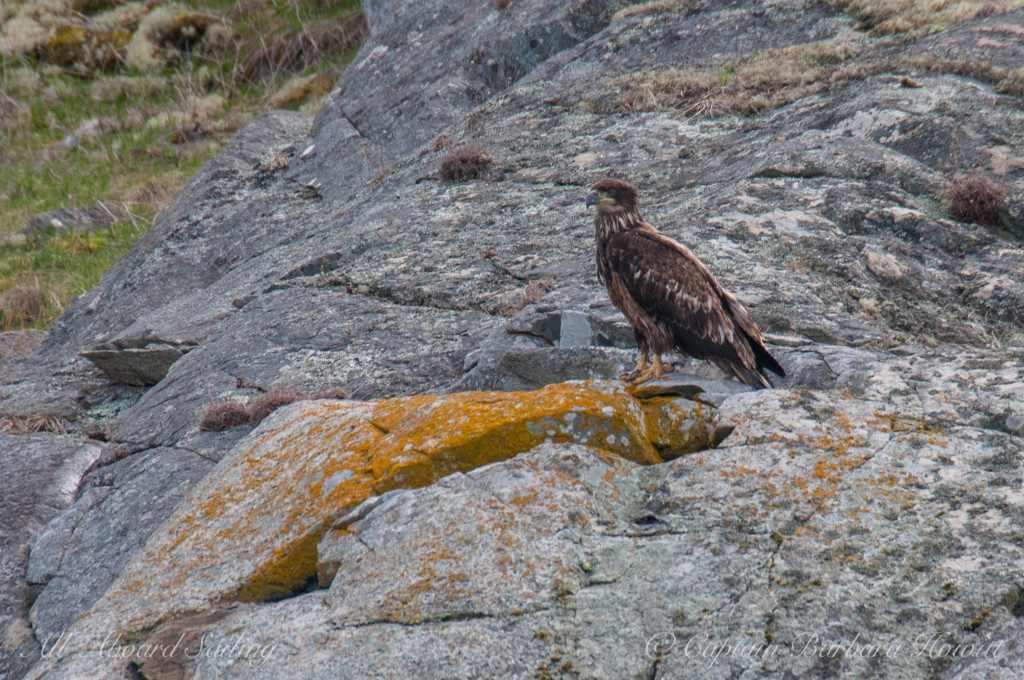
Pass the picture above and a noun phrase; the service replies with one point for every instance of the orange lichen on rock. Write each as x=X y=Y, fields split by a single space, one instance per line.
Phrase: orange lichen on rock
x=249 y=531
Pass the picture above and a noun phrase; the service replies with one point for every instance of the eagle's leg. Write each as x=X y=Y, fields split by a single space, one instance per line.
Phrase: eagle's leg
x=641 y=366
x=654 y=371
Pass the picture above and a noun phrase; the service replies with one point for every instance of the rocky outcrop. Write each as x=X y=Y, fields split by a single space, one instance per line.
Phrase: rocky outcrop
x=42 y=472
x=819 y=537
x=308 y=466
x=75 y=558
x=869 y=500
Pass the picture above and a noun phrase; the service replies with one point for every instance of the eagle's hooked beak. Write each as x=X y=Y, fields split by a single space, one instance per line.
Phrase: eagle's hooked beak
x=591 y=198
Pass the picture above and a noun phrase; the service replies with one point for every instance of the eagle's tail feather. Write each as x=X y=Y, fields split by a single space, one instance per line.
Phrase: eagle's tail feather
x=742 y=373
x=766 y=360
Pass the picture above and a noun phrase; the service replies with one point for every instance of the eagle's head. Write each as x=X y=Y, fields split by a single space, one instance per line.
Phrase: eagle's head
x=612 y=195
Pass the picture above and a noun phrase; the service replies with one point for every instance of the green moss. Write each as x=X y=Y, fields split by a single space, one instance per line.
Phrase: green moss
x=64 y=47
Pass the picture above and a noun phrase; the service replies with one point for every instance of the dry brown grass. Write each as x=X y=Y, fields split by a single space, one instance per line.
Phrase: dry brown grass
x=774 y=78
x=315 y=42
x=652 y=7
x=226 y=415
x=975 y=198
x=931 y=63
x=469 y=161
x=745 y=86
x=20 y=306
x=267 y=403
x=1012 y=83
x=34 y=422
x=882 y=17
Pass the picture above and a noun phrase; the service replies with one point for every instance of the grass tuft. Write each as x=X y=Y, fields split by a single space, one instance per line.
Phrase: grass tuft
x=34 y=422
x=20 y=306
x=975 y=198
x=267 y=403
x=744 y=86
x=886 y=17
x=653 y=7
x=469 y=161
x=230 y=414
x=224 y=416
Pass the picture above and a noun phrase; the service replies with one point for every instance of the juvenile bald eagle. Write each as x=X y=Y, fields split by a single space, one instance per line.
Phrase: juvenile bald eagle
x=669 y=298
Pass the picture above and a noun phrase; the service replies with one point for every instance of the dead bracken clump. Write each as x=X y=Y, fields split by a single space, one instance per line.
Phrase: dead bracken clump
x=316 y=41
x=469 y=161
x=20 y=306
x=228 y=414
x=267 y=403
x=975 y=198
x=36 y=421
x=224 y=416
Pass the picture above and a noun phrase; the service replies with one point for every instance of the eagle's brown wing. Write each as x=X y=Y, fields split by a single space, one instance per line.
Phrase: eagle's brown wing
x=671 y=285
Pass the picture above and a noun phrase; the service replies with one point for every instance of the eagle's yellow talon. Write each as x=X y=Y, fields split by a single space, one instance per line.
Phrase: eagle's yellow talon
x=644 y=376
x=641 y=366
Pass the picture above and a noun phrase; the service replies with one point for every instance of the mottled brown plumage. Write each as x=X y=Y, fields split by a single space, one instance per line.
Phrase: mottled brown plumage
x=669 y=298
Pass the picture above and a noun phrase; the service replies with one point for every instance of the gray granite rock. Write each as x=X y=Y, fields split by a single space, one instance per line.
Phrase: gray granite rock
x=310 y=339
x=76 y=557
x=821 y=216
x=827 y=535
x=41 y=473
x=17 y=342
x=146 y=365
x=407 y=84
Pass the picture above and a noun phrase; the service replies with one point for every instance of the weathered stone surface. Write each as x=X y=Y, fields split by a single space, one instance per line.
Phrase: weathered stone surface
x=484 y=549
x=47 y=469
x=831 y=532
x=80 y=553
x=310 y=463
x=17 y=342
x=821 y=216
x=136 y=365
x=312 y=340
x=404 y=88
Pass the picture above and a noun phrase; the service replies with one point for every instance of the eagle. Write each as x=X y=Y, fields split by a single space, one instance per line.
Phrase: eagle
x=670 y=299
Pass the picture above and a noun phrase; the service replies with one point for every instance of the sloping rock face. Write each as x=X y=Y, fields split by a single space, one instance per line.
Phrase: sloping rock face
x=41 y=473
x=872 y=498
x=310 y=465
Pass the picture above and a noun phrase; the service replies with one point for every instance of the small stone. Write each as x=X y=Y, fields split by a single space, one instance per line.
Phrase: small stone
x=574 y=330
x=883 y=265
x=868 y=304
x=585 y=161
